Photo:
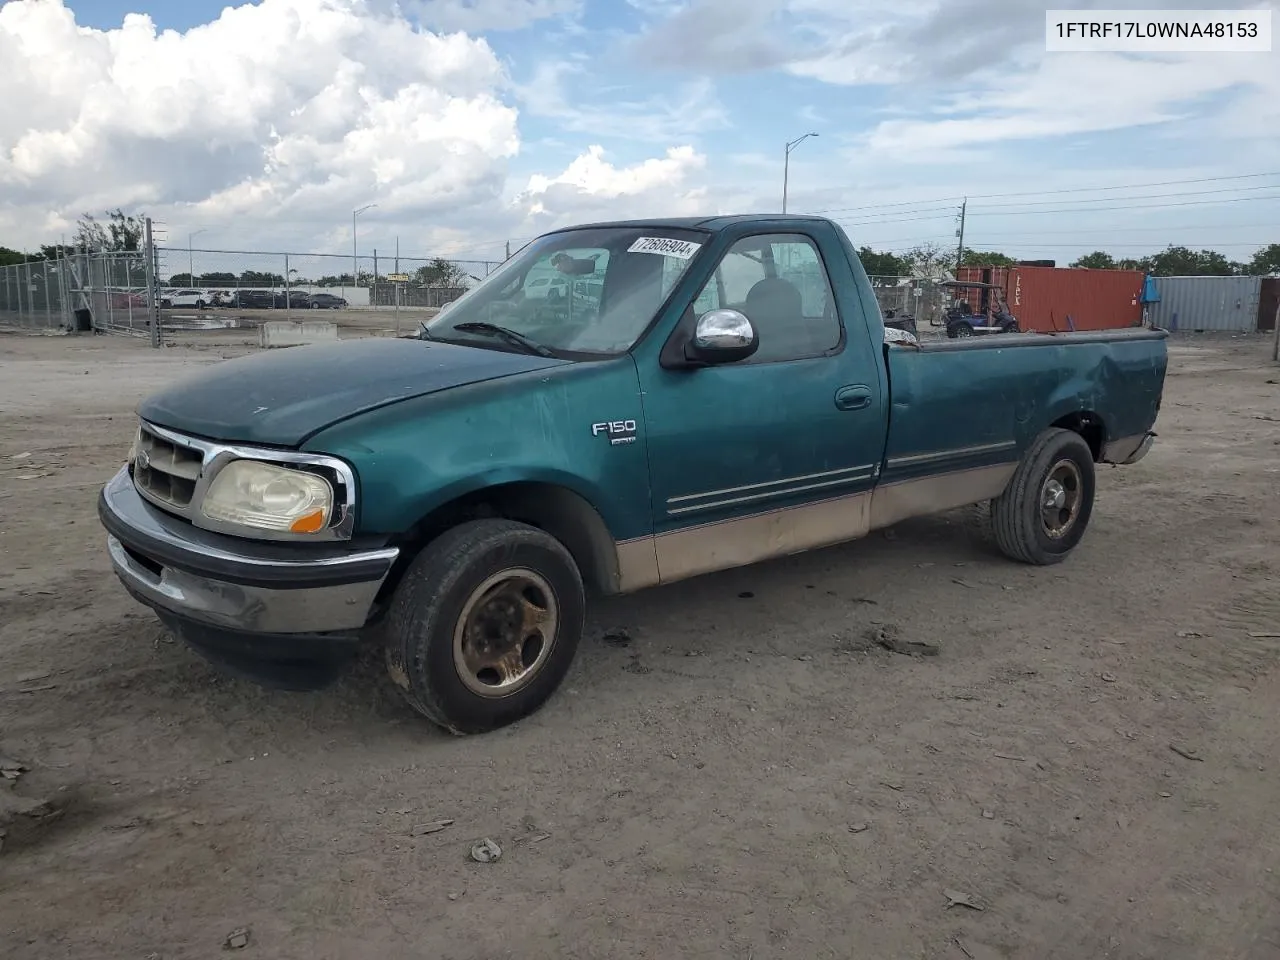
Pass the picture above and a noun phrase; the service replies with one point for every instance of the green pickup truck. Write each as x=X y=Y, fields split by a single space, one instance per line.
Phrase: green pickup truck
x=708 y=393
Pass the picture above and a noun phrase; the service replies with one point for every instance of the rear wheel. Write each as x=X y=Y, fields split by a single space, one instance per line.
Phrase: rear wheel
x=484 y=625
x=962 y=330
x=1043 y=513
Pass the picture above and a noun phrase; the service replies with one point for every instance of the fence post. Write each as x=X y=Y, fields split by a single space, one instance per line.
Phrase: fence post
x=149 y=260
x=288 y=299
x=31 y=300
x=1275 y=343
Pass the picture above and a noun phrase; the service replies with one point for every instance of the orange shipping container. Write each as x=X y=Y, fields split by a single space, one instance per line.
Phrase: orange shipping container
x=1043 y=298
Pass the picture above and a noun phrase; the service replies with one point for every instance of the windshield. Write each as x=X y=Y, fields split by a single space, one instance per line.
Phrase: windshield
x=590 y=291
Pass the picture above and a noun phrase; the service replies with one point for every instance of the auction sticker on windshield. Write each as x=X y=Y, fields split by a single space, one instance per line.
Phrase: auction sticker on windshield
x=683 y=249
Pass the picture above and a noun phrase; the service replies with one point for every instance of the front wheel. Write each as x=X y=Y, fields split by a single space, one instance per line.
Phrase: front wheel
x=199 y=304
x=1044 y=511
x=484 y=625
x=962 y=330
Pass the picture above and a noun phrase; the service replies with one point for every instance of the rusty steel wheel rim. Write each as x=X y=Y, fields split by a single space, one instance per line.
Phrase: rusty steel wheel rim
x=504 y=635
x=1061 y=495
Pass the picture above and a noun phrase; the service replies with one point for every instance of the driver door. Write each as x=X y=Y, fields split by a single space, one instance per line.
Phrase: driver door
x=777 y=453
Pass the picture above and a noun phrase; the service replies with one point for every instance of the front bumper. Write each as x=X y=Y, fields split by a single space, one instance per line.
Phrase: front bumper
x=223 y=584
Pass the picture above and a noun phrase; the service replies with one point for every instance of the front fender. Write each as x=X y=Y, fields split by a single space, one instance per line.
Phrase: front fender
x=416 y=456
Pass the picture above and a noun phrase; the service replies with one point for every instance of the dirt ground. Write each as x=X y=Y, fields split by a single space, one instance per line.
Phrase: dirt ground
x=749 y=777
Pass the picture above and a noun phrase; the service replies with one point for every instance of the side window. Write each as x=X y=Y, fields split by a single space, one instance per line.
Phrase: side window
x=780 y=282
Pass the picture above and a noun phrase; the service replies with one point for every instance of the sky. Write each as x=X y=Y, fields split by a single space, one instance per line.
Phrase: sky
x=471 y=123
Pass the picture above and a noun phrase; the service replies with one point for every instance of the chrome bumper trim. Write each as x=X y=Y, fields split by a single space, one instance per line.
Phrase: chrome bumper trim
x=239 y=607
x=232 y=583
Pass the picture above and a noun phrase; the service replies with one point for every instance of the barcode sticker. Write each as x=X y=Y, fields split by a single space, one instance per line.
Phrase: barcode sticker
x=683 y=249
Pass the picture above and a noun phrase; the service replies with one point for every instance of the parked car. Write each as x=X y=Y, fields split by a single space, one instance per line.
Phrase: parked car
x=253 y=299
x=455 y=495
x=126 y=300
x=547 y=288
x=269 y=299
x=327 y=301
x=185 y=298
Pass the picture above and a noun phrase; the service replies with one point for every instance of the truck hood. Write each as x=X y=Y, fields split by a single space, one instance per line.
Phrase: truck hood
x=282 y=397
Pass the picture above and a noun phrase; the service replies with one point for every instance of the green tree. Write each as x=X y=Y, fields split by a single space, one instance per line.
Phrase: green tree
x=1128 y=263
x=1177 y=261
x=930 y=260
x=258 y=278
x=440 y=273
x=986 y=258
x=217 y=279
x=9 y=257
x=881 y=265
x=120 y=232
x=1098 y=260
x=1266 y=261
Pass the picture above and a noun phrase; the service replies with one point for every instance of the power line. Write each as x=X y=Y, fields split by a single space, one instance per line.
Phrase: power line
x=1146 y=206
x=1041 y=193
x=1145 y=196
x=1021 y=211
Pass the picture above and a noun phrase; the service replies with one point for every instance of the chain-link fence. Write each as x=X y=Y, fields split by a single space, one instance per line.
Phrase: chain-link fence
x=33 y=295
x=210 y=290
x=105 y=291
x=348 y=277
x=924 y=300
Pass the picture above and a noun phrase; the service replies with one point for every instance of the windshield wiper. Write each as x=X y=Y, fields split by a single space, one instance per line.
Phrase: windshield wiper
x=511 y=336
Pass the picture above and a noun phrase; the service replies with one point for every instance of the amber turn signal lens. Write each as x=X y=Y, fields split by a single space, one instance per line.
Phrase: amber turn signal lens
x=311 y=523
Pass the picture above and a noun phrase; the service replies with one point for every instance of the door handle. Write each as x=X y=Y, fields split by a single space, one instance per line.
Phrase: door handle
x=857 y=397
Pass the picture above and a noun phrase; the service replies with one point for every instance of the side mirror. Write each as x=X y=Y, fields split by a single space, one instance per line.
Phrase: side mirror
x=722 y=336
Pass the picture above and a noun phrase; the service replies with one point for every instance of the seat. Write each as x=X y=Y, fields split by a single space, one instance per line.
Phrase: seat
x=775 y=308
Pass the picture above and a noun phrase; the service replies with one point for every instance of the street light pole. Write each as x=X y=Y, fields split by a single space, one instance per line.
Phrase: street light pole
x=786 y=165
x=355 y=262
x=191 y=260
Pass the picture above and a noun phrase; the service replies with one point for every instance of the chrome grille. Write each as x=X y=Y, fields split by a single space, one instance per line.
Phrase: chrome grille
x=166 y=471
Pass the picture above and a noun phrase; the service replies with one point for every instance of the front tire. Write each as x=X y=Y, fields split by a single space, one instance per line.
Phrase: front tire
x=962 y=330
x=484 y=625
x=1044 y=511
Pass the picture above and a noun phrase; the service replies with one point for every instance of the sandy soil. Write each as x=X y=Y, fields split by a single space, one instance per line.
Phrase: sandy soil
x=747 y=778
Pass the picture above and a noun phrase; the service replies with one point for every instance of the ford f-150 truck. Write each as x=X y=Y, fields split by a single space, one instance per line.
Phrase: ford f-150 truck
x=716 y=392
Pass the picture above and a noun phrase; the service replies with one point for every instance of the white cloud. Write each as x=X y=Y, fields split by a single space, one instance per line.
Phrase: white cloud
x=270 y=124
x=292 y=108
x=593 y=188
x=1076 y=94
x=693 y=110
x=488 y=15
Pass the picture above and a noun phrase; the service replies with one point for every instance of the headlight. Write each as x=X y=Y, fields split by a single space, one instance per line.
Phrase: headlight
x=268 y=497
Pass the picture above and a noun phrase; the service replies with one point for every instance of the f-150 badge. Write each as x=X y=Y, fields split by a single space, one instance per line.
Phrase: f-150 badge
x=618 y=431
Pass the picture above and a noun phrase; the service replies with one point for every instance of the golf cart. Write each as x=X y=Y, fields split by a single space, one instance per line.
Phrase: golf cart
x=993 y=315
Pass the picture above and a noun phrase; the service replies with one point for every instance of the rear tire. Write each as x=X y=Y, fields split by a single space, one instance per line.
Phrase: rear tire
x=484 y=625
x=1044 y=511
x=962 y=330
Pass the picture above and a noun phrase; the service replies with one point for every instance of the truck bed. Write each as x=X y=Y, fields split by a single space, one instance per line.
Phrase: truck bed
x=968 y=395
